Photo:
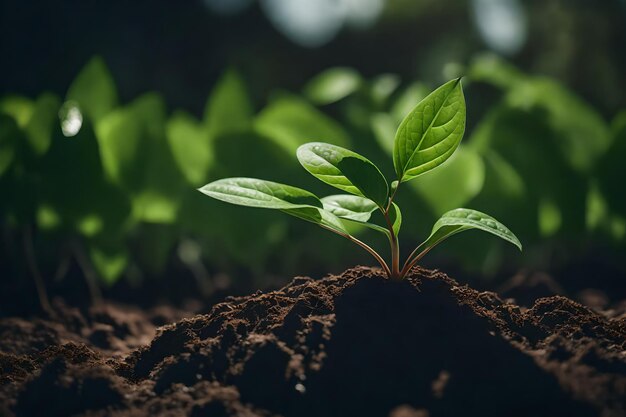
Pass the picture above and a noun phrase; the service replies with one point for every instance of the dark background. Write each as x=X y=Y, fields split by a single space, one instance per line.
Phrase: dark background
x=180 y=48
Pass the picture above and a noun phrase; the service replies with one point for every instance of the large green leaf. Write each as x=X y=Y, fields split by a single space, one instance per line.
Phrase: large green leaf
x=252 y=192
x=345 y=170
x=332 y=85
x=350 y=207
x=94 y=90
x=459 y=220
x=291 y=122
x=431 y=132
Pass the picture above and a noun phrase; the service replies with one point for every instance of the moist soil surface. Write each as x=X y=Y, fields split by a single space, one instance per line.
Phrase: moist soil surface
x=349 y=345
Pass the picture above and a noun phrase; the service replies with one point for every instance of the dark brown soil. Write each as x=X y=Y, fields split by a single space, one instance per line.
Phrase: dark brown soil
x=349 y=345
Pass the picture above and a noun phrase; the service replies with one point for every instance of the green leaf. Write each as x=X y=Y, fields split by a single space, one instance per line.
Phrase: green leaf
x=581 y=133
x=318 y=216
x=291 y=122
x=491 y=68
x=350 y=207
x=42 y=122
x=383 y=87
x=120 y=138
x=459 y=220
x=345 y=170
x=384 y=128
x=431 y=132
x=396 y=218
x=414 y=93
x=228 y=109
x=109 y=263
x=94 y=90
x=9 y=133
x=191 y=147
x=455 y=183
x=332 y=85
x=252 y=192
x=18 y=107
x=611 y=168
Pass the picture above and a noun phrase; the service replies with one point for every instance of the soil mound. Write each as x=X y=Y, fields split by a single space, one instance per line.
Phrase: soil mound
x=349 y=345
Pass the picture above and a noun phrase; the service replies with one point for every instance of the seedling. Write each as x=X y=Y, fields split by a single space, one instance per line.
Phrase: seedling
x=426 y=138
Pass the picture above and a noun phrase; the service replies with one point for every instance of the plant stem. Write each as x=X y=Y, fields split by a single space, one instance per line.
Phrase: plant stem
x=391 y=198
x=409 y=265
x=90 y=274
x=365 y=246
x=395 y=248
x=393 y=239
x=29 y=249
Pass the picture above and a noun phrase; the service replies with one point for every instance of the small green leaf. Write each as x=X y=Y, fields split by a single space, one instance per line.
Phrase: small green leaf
x=431 y=132
x=396 y=218
x=9 y=133
x=253 y=192
x=384 y=128
x=461 y=219
x=94 y=90
x=350 y=207
x=191 y=147
x=414 y=93
x=18 y=107
x=109 y=263
x=345 y=170
x=383 y=87
x=228 y=109
x=42 y=122
x=332 y=85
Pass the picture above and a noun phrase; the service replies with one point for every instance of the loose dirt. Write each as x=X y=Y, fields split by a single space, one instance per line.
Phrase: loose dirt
x=349 y=345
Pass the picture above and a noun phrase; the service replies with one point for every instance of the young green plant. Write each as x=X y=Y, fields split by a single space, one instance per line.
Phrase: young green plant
x=426 y=138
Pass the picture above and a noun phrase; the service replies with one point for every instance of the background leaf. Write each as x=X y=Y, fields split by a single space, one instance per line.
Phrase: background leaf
x=332 y=85
x=228 y=109
x=454 y=183
x=191 y=147
x=94 y=90
x=291 y=122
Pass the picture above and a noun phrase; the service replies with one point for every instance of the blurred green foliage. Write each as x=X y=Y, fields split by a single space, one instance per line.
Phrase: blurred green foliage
x=120 y=178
